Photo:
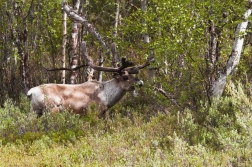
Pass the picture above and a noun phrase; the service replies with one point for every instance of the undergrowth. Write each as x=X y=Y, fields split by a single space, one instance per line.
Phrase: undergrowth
x=216 y=135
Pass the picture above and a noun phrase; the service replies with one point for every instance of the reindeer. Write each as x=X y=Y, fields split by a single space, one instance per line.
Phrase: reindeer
x=78 y=98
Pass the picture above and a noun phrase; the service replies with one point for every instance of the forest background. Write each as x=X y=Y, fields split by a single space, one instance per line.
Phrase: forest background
x=173 y=121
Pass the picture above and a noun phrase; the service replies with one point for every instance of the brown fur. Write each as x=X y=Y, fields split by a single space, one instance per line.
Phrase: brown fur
x=77 y=98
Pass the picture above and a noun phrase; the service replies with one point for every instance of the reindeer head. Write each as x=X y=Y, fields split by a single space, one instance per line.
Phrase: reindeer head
x=127 y=81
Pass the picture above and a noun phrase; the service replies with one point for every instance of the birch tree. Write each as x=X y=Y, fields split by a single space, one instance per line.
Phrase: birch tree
x=220 y=83
x=74 y=44
x=19 y=33
x=117 y=12
x=90 y=28
x=146 y=37
x=64 y=40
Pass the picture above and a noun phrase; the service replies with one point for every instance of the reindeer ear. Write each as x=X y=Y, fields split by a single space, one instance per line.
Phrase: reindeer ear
x=116 y=76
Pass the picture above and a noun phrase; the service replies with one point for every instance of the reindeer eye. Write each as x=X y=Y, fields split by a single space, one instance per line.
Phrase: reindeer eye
x=125 y=77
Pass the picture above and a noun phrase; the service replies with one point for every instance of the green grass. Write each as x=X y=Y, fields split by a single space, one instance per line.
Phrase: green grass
x=219 y=135
x=150 y=144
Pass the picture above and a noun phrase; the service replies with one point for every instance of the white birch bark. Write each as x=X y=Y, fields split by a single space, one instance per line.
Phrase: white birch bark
x=219 y=84
x=74 y=16
x=74 y=42
x=100 y=64
x=146 y=38
x=89 y=71
x=144 y=9
x=64 y=31
x=114 y=55
x=117 y=8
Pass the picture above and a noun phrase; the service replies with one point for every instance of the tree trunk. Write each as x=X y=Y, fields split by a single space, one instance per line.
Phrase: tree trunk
x=20 y=38
x=75 y=17
x=211 y=57
x=114 y=55
x=220 y=83
x=146 y=39
x=64 y=46
x=117 y=8
x=100 y=64
x=89 y=71
x=144 y=9
x=23 y=53
x=74 y=41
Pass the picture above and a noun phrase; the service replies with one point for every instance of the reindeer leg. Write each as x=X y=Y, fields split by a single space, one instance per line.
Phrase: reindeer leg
x=102 y=113
x=39 y=113
x=57 y=108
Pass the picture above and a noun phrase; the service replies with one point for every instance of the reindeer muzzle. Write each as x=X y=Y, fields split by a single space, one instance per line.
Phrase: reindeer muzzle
x=139 y=83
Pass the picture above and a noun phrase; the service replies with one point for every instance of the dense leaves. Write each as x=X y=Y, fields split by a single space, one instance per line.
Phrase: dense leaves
x=183 y=35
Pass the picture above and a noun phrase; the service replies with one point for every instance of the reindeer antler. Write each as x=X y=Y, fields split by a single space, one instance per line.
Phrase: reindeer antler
x=125 y=63
x=135 y=70
x=123 y=67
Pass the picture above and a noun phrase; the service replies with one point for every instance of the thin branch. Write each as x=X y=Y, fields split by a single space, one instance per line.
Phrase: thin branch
x=29 y=11
x=83 y=52
x=168 y=96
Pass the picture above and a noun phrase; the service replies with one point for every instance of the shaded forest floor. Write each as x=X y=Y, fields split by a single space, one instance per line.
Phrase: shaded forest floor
x=219 y=135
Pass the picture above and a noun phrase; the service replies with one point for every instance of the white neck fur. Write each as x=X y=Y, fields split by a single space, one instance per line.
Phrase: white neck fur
x=111 y=93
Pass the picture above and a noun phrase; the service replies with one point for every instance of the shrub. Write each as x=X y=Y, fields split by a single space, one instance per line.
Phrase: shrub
x=215 y=135
x=25 y=126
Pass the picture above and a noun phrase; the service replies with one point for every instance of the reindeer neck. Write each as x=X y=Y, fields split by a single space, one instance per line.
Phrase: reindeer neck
x=111 y=93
